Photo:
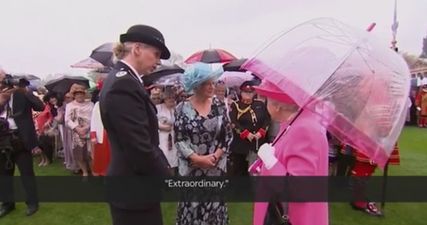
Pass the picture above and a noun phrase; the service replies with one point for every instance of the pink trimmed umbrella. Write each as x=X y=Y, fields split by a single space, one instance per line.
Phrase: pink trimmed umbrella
x=211 y=56
x=354 y=82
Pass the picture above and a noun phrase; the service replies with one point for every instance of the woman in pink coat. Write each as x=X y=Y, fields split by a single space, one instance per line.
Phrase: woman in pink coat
x=302 y=151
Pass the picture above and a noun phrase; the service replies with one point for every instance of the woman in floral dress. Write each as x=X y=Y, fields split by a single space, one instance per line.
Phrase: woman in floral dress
x=77 y=117
x=202 y=137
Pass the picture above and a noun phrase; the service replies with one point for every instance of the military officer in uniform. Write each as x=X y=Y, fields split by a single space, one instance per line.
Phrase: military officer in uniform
x=130 y=120
x=250 y=120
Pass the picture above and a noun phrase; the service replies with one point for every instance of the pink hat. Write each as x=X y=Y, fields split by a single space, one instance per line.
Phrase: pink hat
x=270 y=90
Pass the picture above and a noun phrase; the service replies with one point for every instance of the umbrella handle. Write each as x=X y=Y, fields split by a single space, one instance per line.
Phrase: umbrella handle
x=384 y=187
x=290 y=123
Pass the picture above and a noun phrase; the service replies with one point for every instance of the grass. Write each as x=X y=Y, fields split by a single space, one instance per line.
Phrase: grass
x=413 y=145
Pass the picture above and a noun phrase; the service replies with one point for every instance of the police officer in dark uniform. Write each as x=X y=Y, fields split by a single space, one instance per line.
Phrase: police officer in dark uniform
x=250 y=120
x=130 y=120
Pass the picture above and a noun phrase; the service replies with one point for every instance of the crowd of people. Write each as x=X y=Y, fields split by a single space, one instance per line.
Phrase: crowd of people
x=68 y=129
x=417 y=113
x=205 y=128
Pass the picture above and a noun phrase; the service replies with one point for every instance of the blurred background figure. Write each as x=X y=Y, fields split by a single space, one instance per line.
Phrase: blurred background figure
x=413 y=108
x=47 y=126
x=421 y=103
x=220 y=91
x=155 y=95
x=67 y=136
x=334 y=147
x=166 y=117
x=99 y=139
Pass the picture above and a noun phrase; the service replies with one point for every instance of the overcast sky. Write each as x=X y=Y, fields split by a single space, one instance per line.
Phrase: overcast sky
x=47 y=36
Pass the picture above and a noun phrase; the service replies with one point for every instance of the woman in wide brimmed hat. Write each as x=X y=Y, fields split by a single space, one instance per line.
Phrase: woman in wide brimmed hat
x=77 y=117
x=303 y=151
x=202 y=136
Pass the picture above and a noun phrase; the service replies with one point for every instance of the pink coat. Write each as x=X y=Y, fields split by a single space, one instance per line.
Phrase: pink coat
x=302 y=151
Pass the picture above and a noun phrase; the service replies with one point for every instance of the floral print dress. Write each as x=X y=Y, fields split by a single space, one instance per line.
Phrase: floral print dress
x=79 y=115
x=202 y=135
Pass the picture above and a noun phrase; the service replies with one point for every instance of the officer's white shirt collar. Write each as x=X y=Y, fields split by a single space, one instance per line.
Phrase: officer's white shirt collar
x=133 y=70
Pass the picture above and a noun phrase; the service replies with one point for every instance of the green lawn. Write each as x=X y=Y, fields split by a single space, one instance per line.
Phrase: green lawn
x=413 y=144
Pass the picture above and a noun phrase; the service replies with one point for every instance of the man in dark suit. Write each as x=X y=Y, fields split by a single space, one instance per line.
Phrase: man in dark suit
x=130 y=120
x=16 y=108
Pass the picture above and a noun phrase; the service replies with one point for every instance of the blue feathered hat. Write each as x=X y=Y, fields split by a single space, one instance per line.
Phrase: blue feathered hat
x=198 y=73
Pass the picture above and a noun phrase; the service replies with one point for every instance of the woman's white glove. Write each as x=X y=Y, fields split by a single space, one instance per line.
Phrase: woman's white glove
x=266 y=154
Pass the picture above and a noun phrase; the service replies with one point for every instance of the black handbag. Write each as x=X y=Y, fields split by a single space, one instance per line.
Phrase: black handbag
x=277 y=214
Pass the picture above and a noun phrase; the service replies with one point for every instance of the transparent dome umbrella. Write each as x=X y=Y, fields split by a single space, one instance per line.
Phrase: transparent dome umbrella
x=357 y=84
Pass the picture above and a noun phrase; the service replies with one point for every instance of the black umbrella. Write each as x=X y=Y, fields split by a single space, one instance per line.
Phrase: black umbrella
x=100 y=58
x=63 y=84
x=160 y=72
x=104 y=54
x=235 y=65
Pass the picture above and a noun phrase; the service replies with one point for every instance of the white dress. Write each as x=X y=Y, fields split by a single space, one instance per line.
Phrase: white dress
x=167 y=116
